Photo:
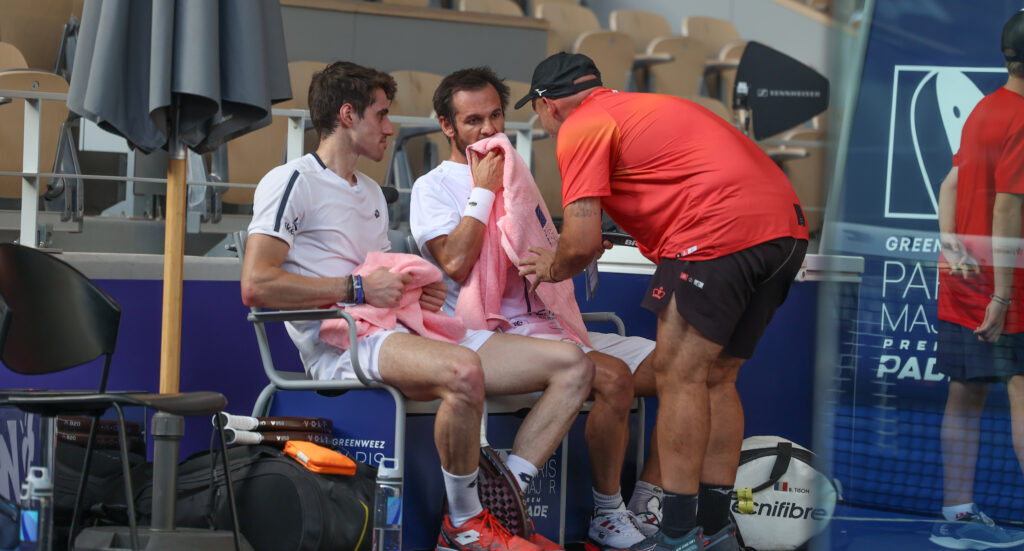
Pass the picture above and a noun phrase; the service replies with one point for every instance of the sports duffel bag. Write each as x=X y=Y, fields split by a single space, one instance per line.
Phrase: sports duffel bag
x=781 y=500
x=282 y=506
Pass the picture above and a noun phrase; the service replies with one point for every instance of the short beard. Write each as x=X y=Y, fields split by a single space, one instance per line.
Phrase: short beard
x=460 y=144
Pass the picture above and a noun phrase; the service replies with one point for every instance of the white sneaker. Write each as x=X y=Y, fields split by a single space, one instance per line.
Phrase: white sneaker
x=648 y=520
x=613 y=529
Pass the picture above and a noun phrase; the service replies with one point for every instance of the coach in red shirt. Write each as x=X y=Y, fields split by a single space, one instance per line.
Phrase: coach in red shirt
x=728 y=234
x=981 y=324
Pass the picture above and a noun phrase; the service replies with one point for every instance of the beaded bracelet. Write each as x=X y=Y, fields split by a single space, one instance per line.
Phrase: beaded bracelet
x=1000 y=300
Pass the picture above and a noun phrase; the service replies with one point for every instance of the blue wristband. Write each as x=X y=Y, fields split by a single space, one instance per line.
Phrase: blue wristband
x=358 y=282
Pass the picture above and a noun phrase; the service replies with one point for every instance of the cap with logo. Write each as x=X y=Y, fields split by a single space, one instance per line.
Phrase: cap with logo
x=1013 y=38
x=553 y=77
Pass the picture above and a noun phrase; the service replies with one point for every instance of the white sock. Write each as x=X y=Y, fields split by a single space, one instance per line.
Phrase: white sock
x=523 y=470
x=610 y=502
x=957 y=511
x=463 y=500
x=642 y=495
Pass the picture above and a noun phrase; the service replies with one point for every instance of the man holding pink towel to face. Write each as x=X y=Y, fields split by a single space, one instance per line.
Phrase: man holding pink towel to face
x=318 y=237
x=475 y=217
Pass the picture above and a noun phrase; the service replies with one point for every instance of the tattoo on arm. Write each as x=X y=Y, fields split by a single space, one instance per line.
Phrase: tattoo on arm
x=583 y=208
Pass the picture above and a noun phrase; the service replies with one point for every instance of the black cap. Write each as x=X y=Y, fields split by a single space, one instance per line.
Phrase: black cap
x=553 y=77
x=1013 y=38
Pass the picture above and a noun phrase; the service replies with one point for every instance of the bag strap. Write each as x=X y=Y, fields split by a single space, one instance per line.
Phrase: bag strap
x=783 y=457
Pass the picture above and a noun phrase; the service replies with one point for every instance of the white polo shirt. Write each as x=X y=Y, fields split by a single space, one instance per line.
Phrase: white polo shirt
x=329 y=225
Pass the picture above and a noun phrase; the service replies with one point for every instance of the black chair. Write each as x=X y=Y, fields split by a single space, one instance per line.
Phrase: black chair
x=53 y=318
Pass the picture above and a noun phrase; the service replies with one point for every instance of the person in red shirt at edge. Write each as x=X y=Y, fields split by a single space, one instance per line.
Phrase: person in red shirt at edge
x=981 y=324
x=727 y=232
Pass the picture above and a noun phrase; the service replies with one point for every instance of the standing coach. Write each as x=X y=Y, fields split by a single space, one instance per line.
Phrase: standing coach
x=727 y=232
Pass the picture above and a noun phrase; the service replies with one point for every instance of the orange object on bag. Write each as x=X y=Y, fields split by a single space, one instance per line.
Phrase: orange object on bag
x=319 y=459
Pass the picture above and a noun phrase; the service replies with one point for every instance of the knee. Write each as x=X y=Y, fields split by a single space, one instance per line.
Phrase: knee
x=580 y=369
x=465 y=381
x=613 y=383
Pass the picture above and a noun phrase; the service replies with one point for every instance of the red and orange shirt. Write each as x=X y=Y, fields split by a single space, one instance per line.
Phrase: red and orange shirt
x=990 y=161
x=682 y=181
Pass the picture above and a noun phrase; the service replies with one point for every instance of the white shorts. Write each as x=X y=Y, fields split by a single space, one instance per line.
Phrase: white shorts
x=368 y=350
x=631 y=350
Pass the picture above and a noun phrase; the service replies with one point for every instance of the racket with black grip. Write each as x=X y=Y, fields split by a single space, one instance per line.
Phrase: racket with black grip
x=499 y=491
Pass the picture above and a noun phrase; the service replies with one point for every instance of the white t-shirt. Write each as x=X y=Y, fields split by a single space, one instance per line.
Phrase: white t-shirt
x=438 y=199
x=329 y=225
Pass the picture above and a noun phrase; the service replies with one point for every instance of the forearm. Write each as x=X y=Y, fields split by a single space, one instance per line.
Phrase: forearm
x=580 y=240
x=282 y=290
x=1006 y=227
x=947 y=203
x=458 y=251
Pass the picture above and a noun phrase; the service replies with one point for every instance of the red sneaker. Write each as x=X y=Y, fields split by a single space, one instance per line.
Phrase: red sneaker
x=480 y=533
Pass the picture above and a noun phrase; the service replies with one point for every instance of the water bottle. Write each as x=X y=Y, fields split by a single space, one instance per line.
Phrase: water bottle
x=37 y=510
x=387 y=522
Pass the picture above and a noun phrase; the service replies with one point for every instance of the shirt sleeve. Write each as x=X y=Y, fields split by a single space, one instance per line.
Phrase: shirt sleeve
x=278 y=207
x=1010 y=167
x=431 y=212
x=586 y=149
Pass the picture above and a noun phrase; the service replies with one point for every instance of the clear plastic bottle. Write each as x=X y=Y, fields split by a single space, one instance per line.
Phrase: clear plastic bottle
x=387 y=524
x=37 y=510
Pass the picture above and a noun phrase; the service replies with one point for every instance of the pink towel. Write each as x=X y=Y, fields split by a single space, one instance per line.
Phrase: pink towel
x=520 y=220
x=371 y=319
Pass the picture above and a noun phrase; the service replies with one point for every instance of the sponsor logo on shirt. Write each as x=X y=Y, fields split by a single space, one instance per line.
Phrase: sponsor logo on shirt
x=292 y=225
x=376 y=213
x=658 y=293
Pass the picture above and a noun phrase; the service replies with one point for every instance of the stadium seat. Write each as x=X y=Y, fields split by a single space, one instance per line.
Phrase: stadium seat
x=11 y=58
x=415 y=3
x=536 y=4
x=12 y=124
x=684 y=74
x=496 y=7
x=613 y=54
x=35 y=30
x=643 y=26
x=718 y=35
x=568 y=22
x=252 y=155
x=807 y=174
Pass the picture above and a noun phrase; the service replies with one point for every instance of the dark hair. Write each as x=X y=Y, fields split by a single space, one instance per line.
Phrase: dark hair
x=473 y=78
x=344 y=82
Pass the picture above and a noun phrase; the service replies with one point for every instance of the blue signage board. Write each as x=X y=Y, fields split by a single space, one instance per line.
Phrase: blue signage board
x=927 y=65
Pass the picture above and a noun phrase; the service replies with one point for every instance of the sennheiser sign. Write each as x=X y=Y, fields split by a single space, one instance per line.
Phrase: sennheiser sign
x=770 y=93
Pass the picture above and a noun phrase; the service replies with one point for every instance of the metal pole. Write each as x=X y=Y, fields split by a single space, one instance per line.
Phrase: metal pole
x=30 y=184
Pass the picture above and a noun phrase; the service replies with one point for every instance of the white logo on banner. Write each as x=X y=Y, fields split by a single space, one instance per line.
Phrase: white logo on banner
x=955 y=94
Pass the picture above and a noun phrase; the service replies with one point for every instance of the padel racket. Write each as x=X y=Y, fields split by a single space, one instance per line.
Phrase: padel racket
x=269 y=424
x=235 y=436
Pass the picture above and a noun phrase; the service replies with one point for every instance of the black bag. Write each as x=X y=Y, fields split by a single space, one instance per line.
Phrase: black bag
x=282 y=506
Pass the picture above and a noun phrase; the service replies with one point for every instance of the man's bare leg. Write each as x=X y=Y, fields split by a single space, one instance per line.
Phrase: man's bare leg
x=961 y=424
x=607 y=430
x=722 y=457
x=682 y=363
x=423 y=369
x=514 y=364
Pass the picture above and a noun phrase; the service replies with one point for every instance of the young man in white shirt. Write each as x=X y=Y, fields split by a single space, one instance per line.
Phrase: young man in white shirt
x=314 y=221
x=448 y=219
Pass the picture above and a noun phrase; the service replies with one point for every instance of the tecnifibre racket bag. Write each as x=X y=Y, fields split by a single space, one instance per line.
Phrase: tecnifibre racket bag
x=781 y=500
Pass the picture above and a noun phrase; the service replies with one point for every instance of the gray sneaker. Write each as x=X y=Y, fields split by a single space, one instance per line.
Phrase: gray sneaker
x=692 y=541
x=723 y=540
x=975 y=531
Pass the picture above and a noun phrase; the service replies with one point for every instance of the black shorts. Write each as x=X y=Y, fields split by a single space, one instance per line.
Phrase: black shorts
x=729 y=299
x=963 y=357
